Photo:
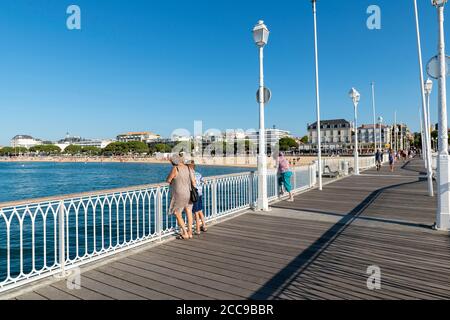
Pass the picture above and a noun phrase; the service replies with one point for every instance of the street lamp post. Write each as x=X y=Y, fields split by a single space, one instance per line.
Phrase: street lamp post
x=401 y=137
x=428 y=87
x=443 y=179
x=374 y=117
x=355 y=96
x=424 y=108
x=316 y=56
x=380 y=122
x=422 y=119
x=261 y=37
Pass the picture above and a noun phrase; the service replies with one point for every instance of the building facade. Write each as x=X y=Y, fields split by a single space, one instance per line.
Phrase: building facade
x=24 y=141
x=366 y=135
x=78 y=141
x=273 y=136
x=335 y=134
x=138 y=136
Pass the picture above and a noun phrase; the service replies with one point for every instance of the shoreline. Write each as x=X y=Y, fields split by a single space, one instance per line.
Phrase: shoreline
x=241 y=162
x=114 y=160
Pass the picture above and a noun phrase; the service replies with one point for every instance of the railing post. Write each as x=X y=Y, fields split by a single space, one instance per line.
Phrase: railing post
x=62 y=237
x=294 y=176
x=158 y=214
x=214 y=199
x=250 y=189
x=346 y=166
x=276 y=184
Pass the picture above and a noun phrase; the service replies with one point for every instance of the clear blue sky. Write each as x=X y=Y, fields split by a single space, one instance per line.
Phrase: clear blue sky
x=160 y=65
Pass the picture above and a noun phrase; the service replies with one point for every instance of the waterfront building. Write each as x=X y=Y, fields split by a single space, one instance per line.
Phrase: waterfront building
x=273 y=136
x=78 y=141
x=145 y=136
x=403 y=138
x=335 y=134
x=24 y=141
x=366 y=136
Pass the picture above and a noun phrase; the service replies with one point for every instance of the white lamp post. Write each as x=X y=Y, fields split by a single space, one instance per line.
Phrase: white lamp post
x=424 y=108
x=443 y=176
x=428 y=87
x=374 y=117
x=380 y=122
x=261 y=37
x=316 y=56
x=355 y=96
x=422 y=136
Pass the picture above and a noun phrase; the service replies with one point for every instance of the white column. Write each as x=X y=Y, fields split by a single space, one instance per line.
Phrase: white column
x=443 y=213
x=422 y=119
x=356 y=141
x=374 y=118
x=263 y=203
x=319 y=138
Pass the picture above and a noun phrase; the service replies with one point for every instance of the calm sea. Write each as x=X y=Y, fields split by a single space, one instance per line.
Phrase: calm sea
x=34 y=180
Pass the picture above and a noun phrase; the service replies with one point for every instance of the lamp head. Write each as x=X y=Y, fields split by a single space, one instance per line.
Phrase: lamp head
x=354 y=95
x=260 y=34
x=438 y=3
x=428 y=86
x=380 y=119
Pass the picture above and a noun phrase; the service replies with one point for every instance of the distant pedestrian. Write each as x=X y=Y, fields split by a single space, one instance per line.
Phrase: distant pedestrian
x=378 y=159
x=181 y=180
x=198 y=205
x=391 y=159
x=285 y=175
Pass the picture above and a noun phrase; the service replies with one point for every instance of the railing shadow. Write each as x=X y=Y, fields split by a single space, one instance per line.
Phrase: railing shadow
x=382 y=220
x=406 y=167
x=284 y=278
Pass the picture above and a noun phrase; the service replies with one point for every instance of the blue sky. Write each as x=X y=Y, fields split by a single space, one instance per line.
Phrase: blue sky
x=160 y=65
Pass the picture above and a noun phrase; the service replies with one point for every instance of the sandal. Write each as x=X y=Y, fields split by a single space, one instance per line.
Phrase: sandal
x=202 y=228
x=183 y=236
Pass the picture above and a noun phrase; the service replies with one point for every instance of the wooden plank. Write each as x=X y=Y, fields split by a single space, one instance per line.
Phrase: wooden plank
x=82 y=293
x=53 y=293
x=125 y=273
x=127 y=286
x=31 y=296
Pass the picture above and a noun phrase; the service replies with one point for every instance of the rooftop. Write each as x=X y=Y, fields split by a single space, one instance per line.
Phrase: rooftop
x=22 y=136
x=138 y=133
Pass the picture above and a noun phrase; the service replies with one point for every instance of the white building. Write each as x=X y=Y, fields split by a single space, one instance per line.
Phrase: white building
x=138 y=136
x=24 y=141
x=273 y=136
x=78 y=141
x=366 y=134
x=334 y=133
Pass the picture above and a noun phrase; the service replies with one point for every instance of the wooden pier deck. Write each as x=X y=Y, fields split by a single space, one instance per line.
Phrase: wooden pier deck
x=318 y=247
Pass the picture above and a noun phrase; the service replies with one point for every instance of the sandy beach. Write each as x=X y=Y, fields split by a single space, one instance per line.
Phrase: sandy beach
x=249 y=162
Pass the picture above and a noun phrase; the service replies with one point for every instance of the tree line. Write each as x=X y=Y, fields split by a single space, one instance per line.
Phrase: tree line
x=115 y=148
x=125 y=148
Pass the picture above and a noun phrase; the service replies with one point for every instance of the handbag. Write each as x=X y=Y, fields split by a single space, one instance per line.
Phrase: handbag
x=194 y=191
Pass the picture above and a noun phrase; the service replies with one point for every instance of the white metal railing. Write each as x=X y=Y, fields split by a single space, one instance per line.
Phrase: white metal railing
x=341 y=165
x=40 y=238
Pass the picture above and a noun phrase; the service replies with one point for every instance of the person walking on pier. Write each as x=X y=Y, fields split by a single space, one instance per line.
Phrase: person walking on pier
x=378 y=159
x=391 y=159
x=181 y=179
x=198 y=205
x=285 y=175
